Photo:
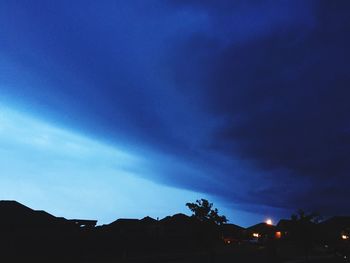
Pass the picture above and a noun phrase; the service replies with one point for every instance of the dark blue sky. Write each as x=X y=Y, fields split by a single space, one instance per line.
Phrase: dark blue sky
x=243 y=101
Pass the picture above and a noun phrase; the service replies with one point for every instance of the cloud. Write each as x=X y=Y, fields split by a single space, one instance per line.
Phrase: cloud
x=283 y=100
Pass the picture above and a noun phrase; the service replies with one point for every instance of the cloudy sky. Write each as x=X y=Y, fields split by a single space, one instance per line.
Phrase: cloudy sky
x=131 y=108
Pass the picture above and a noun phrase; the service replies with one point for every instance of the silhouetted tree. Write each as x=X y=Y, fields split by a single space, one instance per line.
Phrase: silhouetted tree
x=303 y=217
x=203 y=211
x=304 y=229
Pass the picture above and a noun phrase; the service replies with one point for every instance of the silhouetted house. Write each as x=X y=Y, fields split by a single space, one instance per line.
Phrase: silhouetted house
x=151 y=227
x=143 y=228
x=185 y=231
x=125 y=226
x=15 y=215
x=300 y=231
x=262 y=232
x=147 y=233
x=285 y=227
x=232 y=234
x=25 y=232
x=177 y=226
x=335 y=228
x=148 y=220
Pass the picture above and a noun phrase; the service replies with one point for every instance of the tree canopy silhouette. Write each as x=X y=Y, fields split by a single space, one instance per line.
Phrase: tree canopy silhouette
x=204 y=211
x=305 y=218
x=304 y=230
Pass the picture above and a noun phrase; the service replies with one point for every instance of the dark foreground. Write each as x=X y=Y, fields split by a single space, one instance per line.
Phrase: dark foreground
x=27 y=235
x=243 y=253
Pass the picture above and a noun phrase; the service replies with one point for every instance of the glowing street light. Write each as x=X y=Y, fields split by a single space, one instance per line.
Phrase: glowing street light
x=269 y=221
x=256 y=235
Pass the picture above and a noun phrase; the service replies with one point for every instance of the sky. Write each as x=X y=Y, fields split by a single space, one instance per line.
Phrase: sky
x=115 y=109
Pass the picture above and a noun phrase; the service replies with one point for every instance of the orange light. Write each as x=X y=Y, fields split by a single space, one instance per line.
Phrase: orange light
x=344 y=237
x=269 y=221
x=256 y=235
x=278 y=234
x=227 y=241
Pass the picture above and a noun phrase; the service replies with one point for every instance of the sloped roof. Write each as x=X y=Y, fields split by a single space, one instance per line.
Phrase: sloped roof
x=125 y=220
x=177 y=218
x=14 y=207
x=13 y=212
x=232 y=229
x=124 y=223
x=262 y=228
x=148 y=220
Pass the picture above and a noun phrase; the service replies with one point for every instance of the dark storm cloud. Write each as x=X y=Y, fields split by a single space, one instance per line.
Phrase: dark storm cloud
x=284 y=98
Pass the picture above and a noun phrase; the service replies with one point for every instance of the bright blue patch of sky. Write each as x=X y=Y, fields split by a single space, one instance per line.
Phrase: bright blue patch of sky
x=67 y=174
x=70 y=175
